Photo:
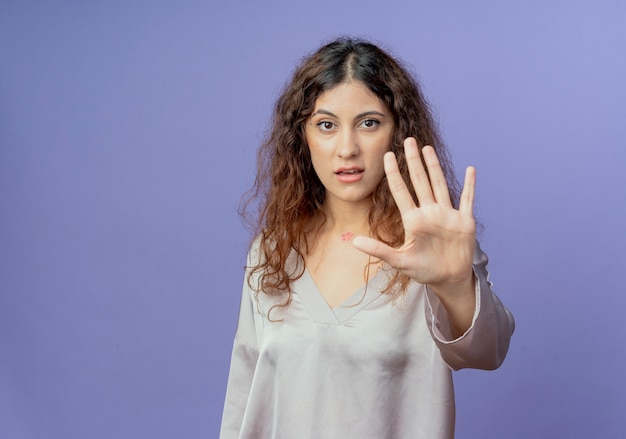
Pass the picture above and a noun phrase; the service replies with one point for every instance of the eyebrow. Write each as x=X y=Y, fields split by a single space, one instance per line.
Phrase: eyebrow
x=358 y=116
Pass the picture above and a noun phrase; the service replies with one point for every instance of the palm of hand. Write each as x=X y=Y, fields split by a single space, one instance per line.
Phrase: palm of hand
x=439 y=239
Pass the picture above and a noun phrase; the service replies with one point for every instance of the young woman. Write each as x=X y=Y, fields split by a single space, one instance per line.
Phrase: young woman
x=365 y=284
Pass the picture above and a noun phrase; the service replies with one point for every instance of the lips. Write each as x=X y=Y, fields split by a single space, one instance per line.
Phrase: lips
x=349 y=175
x=349 y=171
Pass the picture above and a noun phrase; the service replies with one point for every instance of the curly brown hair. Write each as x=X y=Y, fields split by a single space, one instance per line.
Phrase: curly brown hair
x=287 y=192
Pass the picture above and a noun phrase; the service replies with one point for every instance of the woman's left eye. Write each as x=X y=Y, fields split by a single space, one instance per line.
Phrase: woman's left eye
x=370 y=123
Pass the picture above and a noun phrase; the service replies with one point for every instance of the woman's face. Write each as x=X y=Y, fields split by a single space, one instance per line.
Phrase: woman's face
x=348 y=133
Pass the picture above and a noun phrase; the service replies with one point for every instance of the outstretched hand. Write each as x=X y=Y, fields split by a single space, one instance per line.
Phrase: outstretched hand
x=439 y=240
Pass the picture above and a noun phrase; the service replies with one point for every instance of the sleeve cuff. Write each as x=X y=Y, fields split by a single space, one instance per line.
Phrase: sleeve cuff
x=440 y=324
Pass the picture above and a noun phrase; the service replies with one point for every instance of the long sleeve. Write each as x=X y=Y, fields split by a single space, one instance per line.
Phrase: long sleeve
x=242 y=365
x=485 y=344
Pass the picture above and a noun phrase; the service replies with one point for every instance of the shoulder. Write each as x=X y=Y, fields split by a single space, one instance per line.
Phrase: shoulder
x=262 y=249
x=254 y=252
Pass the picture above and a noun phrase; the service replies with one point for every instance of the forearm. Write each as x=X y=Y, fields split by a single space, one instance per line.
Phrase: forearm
x=459 y=301
x=485 y=343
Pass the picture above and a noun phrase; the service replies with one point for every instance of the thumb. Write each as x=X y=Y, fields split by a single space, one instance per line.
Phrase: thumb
x=374 y=248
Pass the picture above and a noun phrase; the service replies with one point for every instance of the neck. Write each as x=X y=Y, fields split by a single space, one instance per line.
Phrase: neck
x=347 y=217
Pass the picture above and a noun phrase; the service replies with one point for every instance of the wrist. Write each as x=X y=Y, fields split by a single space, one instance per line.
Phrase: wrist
x=455 y=287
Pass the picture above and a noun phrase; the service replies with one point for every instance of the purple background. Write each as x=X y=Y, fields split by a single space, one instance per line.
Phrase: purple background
x=127 y=135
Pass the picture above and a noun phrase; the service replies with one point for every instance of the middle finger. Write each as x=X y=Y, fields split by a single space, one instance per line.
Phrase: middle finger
x=418 y=175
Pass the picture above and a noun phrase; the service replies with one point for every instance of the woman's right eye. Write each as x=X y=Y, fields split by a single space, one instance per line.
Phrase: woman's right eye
x=326 y=125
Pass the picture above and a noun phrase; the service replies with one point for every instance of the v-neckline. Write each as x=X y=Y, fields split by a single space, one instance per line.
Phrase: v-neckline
x=321 y=312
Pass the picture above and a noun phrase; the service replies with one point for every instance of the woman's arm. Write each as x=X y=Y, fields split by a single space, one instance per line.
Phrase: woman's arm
x=242 y=365
x=485 y=343
x=467 y=320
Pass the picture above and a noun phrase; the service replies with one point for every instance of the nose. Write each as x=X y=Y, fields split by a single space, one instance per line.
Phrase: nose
x=348 y=144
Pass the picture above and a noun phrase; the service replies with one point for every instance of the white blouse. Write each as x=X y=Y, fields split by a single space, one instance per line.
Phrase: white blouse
x=369 y=368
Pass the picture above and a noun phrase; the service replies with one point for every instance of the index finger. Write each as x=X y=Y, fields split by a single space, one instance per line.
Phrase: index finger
x=398 y=188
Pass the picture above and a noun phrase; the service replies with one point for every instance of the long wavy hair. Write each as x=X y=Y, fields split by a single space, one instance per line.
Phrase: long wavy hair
x=287 y=193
